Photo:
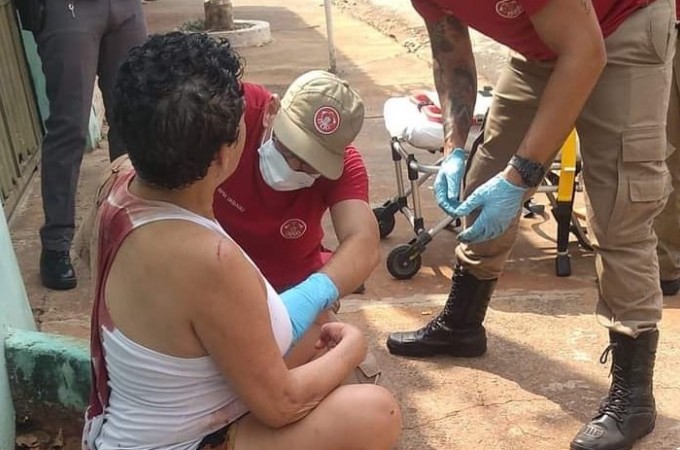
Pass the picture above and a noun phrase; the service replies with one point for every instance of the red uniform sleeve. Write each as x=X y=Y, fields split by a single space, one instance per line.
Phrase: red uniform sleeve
x=256 y=97
x=353 y=183
x=428 y=9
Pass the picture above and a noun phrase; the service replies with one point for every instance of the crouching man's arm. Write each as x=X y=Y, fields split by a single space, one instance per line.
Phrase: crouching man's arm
x=358 y=252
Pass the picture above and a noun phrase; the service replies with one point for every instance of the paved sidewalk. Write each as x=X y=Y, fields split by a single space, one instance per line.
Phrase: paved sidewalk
x=540 y=379
x=400 y=21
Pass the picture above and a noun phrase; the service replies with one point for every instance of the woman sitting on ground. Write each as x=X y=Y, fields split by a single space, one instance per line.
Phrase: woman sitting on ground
x=188 y=338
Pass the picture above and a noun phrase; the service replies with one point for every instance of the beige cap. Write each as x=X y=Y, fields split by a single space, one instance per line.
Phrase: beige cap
x=320 y=115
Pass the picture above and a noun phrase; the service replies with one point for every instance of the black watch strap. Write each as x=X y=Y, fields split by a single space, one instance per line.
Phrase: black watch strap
x=532 y=173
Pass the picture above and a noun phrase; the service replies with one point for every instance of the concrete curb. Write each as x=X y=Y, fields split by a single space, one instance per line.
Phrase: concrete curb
x=49 y=376
x=248 y=33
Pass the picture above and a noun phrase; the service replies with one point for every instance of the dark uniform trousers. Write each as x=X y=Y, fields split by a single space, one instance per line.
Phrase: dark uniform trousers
x=80 y=40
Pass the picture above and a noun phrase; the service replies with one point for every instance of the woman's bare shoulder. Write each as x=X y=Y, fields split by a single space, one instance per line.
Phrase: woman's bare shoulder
x=190 y=252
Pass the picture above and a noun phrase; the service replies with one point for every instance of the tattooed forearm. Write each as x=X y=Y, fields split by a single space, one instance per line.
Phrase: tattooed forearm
x=455 y=78
x=445 y=33
x=462 y=96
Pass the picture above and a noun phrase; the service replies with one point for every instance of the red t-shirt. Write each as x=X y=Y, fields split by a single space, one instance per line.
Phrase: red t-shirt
x=281 y=231
x=507 y=21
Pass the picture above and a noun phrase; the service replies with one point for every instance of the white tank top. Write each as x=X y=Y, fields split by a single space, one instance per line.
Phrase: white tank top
x=163 y=402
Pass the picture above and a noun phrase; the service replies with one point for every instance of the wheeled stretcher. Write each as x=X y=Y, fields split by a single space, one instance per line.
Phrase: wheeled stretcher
x=414 y=123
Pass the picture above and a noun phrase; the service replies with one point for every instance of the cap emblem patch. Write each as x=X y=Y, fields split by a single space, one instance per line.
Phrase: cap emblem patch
x=326 y=120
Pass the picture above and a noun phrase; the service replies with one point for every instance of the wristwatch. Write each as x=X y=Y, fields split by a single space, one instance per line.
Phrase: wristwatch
x=532 y=173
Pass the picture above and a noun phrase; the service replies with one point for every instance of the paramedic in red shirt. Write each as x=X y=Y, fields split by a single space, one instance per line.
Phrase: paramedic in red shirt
x=603 y=66
x=298 y=163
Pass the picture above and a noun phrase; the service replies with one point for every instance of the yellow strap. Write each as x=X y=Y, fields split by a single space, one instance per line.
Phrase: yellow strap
x=565 y=187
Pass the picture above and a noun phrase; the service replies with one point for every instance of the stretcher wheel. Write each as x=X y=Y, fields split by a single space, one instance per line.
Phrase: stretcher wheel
x=385 y=221
x=581 y=237
x=563 y=266
x=403 y=262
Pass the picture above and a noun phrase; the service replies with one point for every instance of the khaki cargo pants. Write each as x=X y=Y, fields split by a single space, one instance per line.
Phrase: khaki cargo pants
x=623 y=147
x=667 y=224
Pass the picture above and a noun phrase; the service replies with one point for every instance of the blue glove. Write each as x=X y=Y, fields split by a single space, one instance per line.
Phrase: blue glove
x=306 y=300
x=500 y=201
x=448 y=181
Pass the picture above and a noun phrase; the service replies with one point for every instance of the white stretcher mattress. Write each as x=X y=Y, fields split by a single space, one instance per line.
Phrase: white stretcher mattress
x=404 y=121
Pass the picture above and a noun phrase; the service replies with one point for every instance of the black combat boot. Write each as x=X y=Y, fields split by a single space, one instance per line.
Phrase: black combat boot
x=629 y=411
x=458 y=330
x=56 y=270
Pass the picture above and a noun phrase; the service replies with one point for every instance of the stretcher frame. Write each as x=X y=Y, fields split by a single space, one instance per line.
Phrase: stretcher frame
x=560 y=184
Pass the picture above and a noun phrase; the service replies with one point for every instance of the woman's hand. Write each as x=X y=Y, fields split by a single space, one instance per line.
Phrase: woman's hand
x=335 y=333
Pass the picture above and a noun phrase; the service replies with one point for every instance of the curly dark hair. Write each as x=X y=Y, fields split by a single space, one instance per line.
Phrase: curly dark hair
x=178 y=98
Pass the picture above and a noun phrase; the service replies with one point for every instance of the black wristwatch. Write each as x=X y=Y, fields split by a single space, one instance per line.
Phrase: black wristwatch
x=532 y=173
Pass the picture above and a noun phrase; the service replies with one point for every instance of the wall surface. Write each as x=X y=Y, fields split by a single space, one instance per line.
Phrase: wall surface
x=14 y=312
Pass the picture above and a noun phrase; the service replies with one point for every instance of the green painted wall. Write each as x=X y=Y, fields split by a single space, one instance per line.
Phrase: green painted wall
x=15 y=312
x=47 y=372
x=35 y=68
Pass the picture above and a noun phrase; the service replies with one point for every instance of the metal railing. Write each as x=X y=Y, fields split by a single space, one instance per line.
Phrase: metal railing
x=20 y=128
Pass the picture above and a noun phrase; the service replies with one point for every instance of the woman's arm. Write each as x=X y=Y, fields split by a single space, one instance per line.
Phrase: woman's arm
x=231 y=319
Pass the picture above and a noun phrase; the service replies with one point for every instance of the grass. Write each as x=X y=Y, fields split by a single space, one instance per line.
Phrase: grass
x=192 y=26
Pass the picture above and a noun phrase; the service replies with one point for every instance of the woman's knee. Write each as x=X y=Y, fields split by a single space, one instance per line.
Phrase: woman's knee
x=374 y=408
x=357 y=416
x=387 y=414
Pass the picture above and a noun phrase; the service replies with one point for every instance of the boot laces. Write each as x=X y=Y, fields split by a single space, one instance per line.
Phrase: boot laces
x=618 y=399
x=447 y=311
x=436 y=324
x=63 y=257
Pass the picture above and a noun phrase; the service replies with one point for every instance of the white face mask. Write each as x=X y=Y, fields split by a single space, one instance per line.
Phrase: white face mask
x=277 y=173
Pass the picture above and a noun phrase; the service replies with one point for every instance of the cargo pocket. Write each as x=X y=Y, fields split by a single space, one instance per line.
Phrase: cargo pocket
x=661 y=28
x=644 y=184
x=649 y=190
x=647 y=199
x=644 y=144
x=644 y=152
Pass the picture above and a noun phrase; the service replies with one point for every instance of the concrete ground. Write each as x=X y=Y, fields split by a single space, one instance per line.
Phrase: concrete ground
x=540 y=379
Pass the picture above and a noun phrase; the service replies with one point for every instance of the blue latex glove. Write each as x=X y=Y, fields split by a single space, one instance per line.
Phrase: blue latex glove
x=448 y=181
x=306 y=300
x=500 y=201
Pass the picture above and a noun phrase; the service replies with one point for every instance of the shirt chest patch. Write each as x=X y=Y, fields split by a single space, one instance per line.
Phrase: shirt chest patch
x=509 y=9
x=293 y=228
